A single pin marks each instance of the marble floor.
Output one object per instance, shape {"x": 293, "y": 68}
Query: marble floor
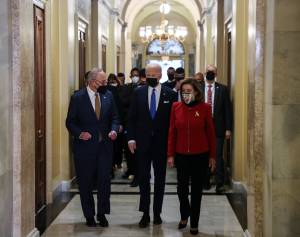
{"x": 217, "y": 219}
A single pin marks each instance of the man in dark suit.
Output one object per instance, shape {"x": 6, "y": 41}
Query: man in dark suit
{"x": 148, "y": 126}
{"x": 217, "y": 96}
{"x": 171, "y": 78}
{"x": 92, "y": 120}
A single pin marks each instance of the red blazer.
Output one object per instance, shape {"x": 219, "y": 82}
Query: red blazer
{"x": 191, "y": 130}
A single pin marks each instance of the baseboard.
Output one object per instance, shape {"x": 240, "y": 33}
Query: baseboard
{"x": 247, "y": 234}
{"x": 34, "y": 233}
{"x": 63, "y": 186}
{"x": 239, "y": 187}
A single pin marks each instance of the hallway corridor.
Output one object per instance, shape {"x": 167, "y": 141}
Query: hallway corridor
{"x": 98, "y": 88}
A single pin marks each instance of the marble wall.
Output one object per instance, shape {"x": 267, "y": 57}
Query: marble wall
{"x": 285, "y": 119}
{"x": 6, "y": 185}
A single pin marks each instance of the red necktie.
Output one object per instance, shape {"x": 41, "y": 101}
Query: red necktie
{"x": 209, "y": 95}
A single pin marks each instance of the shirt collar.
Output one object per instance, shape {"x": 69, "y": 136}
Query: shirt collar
{"x": 90, "y": 91}
{"x": 212, "y": 85}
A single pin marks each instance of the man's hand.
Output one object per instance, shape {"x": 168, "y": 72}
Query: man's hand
{"x": 112, "y": 135}
{"x": 228, "y": 134}
{"x": 171, "y": 161}
{"x": 85, "y": 136}
{"x": 132, "y": 146}
{"x": 212, "y": 164}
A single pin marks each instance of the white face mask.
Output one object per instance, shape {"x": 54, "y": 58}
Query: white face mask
{"x": 135, "y": 79}
{"x": 114, "y": 84}
{"x": 188, "y": 98}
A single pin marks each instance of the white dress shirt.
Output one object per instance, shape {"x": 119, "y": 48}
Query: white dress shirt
{"x": 92, "y": 96}
{"x": 213, "y": 94}
{"x": 157, "y": 94}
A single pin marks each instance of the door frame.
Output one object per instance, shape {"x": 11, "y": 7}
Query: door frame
{"x": 46, "y": 5}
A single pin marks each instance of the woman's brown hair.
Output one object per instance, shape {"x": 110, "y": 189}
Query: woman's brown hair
{"x": 199, "y": 97}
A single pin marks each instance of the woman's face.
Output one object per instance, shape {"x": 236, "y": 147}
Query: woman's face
{"x": 188, "y": 93}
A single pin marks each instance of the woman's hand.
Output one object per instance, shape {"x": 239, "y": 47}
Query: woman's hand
{"x": 212, "y": 164}
{"x": 171, "y": 161}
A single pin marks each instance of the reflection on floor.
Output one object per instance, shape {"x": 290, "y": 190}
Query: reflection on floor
{"x": 217, "y": 219}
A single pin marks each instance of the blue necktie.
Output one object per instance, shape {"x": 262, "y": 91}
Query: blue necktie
{"x": 153, "y": 104}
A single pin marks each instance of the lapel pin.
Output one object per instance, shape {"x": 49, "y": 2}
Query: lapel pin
{"x": 197, "y": 114}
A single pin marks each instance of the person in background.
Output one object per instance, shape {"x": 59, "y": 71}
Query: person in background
{"x": 92, "y": 121}
{"x": 121, "y": 78}
{"x": 217, "y": 96}
{"x": 199, "y": 77}
{"x": 142, "y": 81}
{"x": 171, "y": 82}
{"x": 135, "y": 76}
{"x": 191, "y": 144}
{"x": 148, "y": 124}
{"x": 125, "y": 93}
{"x": 113, "y": 84}
{"x": 179, "y": 77}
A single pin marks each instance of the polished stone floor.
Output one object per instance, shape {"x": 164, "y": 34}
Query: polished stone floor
{"x": 217, "y": 217}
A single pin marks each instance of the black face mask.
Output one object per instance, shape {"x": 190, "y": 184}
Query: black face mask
{"x": 152, "y": 81}
{"x": 102, "y": 89}
{"x": 171, "y": 77}
{"x": 210, "y": 75}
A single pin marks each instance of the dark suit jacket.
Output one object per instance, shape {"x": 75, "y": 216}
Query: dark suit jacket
{"x": 145, "y": 130}
{"x": 82, "y": 118}
{"x": 222, "y": 109}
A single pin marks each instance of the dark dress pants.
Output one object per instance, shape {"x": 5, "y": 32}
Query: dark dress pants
{"x": 91, "y": 168}
{"x": 219, "y": 164}
{"x": 130, "y": 158}
{"x": 194, "y": 168}
{"x": 118, "y": 150}
{"x": 145, "y": 159}
{"x": 219, "y": 161}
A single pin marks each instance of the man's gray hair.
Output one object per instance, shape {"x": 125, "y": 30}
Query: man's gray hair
{"x": 93, "y": 73}
{"x": 154, "y": 65}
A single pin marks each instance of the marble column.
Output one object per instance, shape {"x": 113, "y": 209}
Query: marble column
{"x": 22, "y": 118}
{"x": 6, "y": 168}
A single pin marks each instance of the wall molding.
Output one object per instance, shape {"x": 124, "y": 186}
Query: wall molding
{"x": 63, "y": 186}
{"x": 247, "y": 234}
{"x": 40, "y": 3}
{"x": 34, "y": 233}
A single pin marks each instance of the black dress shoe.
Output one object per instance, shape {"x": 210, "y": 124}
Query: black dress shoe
{"x": 90, "y": 222}
{"x": 134, "y": 183}
{"x": 102, "y": 220}
{"x": 125, "y": 176}
{"x": 157, "y": 220}
{"x": 144, "y": 222}
{"x": 220, "y": 189}
{"x": 194, "y": 231}
{"x": 182, "y": 225}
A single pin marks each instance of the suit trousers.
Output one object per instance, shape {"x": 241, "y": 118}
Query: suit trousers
{"x": 219, "y": 161}
{"x": 91, "y": 169}
{"x": 144, "y": 161}
{"x": 191, "y": 168}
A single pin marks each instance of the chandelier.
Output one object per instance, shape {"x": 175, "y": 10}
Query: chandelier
{"x": 164, "y": 31}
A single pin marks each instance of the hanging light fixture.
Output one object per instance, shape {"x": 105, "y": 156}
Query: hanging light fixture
{"x": 164, "y": 31}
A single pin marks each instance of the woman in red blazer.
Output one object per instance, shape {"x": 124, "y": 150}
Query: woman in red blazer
{"x": 192, "y": 144}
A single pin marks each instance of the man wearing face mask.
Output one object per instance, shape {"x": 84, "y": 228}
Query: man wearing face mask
{"x": 93, "y": 122}
{"x": 125, "y": 93}
{"x": 113, "y": 84}
{"x": 179, "y": 77}
{"x": 217, "y": 96}
{"x": 148, "y": 124}
{"x": 171, "y": 78}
